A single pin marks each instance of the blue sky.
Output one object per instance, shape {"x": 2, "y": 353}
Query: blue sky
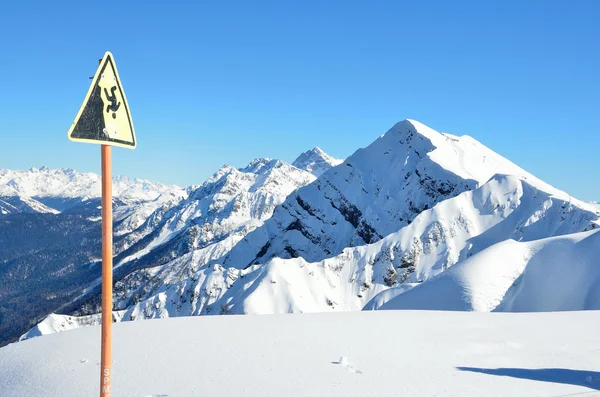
{"x": 225, "y": 82}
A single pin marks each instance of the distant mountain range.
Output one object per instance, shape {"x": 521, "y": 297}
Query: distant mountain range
{"x": 49, "y": 228}
{"x": 418, "y": 219}
{"x": 49, "y": 236}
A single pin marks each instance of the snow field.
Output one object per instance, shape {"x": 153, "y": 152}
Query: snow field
{"x": 379, "y": 354}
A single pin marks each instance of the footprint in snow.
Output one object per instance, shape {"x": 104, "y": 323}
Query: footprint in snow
{"x": 344, "y": 363}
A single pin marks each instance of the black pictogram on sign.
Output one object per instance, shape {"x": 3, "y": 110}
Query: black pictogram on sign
{"x": 114, "y": 106}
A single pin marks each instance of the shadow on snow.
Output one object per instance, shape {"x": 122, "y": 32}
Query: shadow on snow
{"x": 590, "y": 379}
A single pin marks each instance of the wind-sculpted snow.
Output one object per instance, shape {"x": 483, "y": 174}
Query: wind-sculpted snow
{"x": 375, "y": 192}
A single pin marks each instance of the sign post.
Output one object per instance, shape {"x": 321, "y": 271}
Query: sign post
{"x": 105, "y": 119}
{"x": 107, "y": 271}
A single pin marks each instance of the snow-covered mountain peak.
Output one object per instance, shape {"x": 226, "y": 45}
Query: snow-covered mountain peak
{"x": 261, "y": 165}
{"x": 260, "y": 174}
{"x": 41, "y": 169}
{"x": 316, "y": 161}
{"x": 225, "y": 169}
{"x": 464, "y": 156}
{"x": 376, "y": 191}
{"x": 408, "y": 126}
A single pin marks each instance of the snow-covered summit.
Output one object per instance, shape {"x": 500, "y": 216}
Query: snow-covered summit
{"x": 374, "y": 192}
{"x": 316, "y": 161}
{"x": 463, "y": 155}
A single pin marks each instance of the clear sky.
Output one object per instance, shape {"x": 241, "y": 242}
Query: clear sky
{"x": 211, "y": 83}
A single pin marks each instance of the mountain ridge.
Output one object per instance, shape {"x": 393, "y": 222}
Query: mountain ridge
{"x": 375, "y": 192}
{"x": 505, "y": 208}
{"x": 386, "y": 221}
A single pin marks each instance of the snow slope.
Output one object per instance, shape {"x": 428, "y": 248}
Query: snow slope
{"x": 134, "y": 214}
{"x": 59, "y": 323}
{"x": 375, "y": 192}
{"x": 383, "y": 354}
{"x": 316, "y": 161}
{"x": 15, "y": 205}
{"x": 563, "y": 273}
{"x": 552, "y": 274}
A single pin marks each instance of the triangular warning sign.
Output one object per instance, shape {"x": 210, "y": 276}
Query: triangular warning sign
{"x": 104, "y": 117}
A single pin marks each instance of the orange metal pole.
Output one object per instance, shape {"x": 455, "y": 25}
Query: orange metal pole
{"x": 107, "y": 271}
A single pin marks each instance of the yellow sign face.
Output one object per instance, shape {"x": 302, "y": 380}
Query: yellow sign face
{"x": 104, "y": 117}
